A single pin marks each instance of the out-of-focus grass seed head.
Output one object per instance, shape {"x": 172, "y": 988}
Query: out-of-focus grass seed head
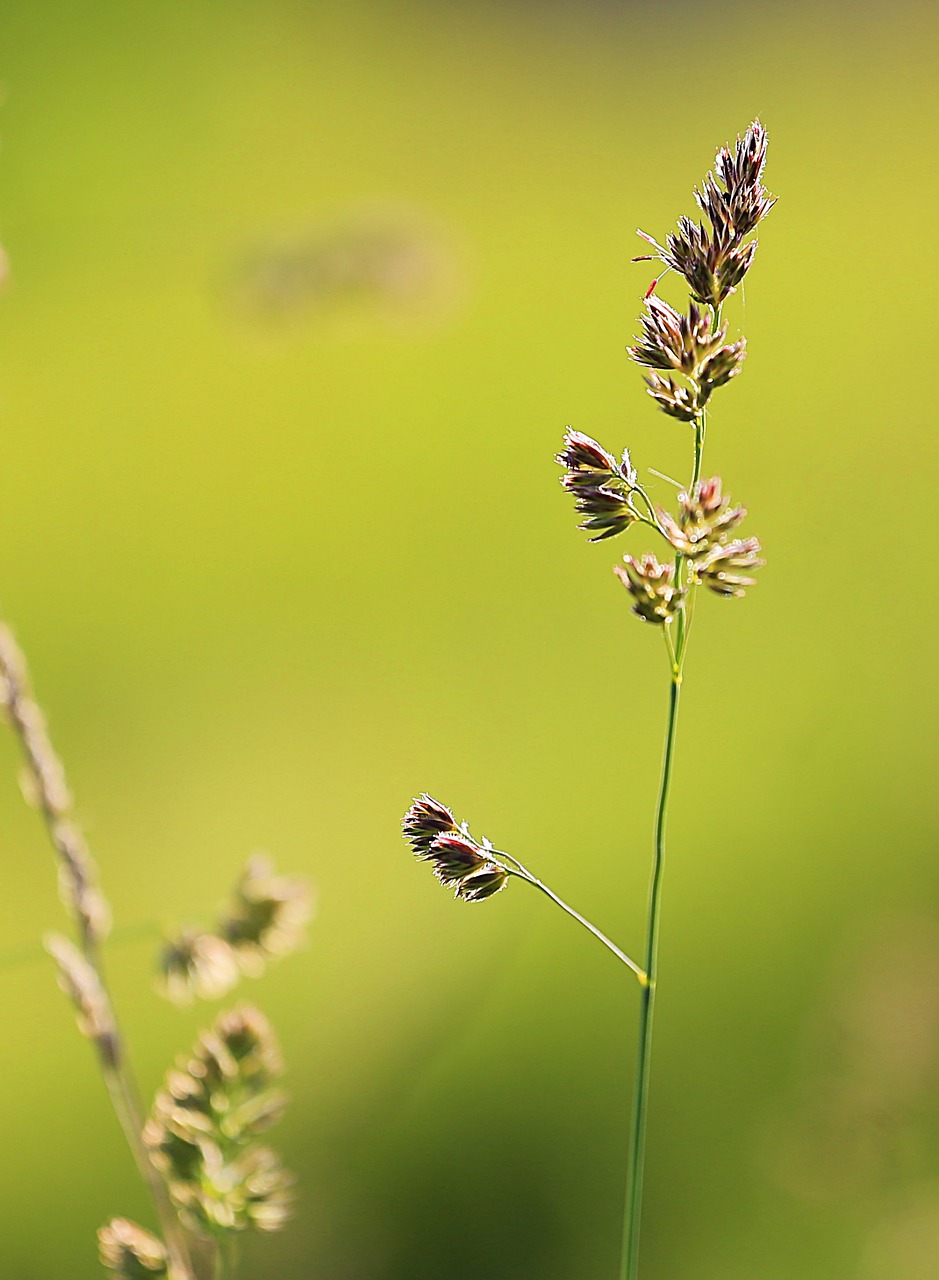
{"x": 130, "y": 1253}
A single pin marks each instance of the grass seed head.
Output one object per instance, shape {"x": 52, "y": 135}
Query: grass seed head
{"x": 656, "y": 599}
{"x": 424, "y": 822}
{"x": 268, "y": 916}
{"x": 455, "y": 857}
{"x": 607, "y": 512}
{"x": 203, "y": 1127}
{"x": 672, "y": 398}
{"x": 704, "y": 521}
{"x": 130, "y": 1253}
{"x": 671, "y": 340}
{"x": 712, "y": 263}
{"x": 458, "y": 860}
{"x": 714, "y": 259}
{"x": 482, "y": 884}
{"x": 582, "y": 453}
{"x": 599, "y": 484}
{"x": 196, "y": 965}
{"x": 734, "y": 195}
{"x": 723, "y": 365}
{"x": 725, "y": 569}
{"x": 80, "y": 982}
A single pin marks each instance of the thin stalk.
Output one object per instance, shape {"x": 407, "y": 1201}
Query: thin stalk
{"x": 700, "y": 431}
{"x": 683, "y": 623}
{"x": 229, "y": 1247}
{"x": 124, "y": 1093}
{"x": 653, "y": 516}
{"x": 673, "y": 661}
{"x": 524, "y": 874}
{"x": 637, "y": 1138}
{"x": 634, "y": 1174}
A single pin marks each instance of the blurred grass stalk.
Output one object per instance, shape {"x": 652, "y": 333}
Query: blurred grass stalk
{"x": 81, "y": 969}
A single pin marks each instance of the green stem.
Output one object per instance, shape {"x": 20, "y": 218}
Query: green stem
{"x": 684, "y": 617}
{"x": 630, "y": 1262}
{"x": 121, "y": 1085}
{"x": 700, "y": 430}
{"x": 637, "y": 1141}
{"x": 650, "y": 506}
{"x": 225, "y": 1257}
{"x": 524, "y": 874}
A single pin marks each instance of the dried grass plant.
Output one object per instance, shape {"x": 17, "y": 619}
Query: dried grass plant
{"x": 688, "y": 355}
{"x": 198, "y": 1150}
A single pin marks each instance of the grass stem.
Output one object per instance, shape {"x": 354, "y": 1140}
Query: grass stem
{"x": 637, "y": 1137}
{"x": 637, "y": 1142}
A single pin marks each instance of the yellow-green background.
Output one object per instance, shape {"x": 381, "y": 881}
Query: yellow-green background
{"x": 275, "y": 576}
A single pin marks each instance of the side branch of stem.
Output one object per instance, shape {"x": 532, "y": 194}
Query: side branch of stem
{"x": 524, "y": 874}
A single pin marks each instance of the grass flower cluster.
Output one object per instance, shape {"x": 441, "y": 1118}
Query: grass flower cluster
{"x": 688, "y": 354}
{"x": 203, "y": 1129}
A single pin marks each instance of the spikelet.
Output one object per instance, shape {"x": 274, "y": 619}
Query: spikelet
{"x": 268, "y": 916}
{"x": 265, "y": 921}
{"x": 720, "y": 570}
{"x": 80, "y": 982}
{"x": 45, "y": 787}
{"x": 674, "y": 341}
{"x": 458, "y": 860}
{"x": 704, "y": 520}
{"x": 426, "y": 819}
{"x": 714, "y": 259}
{"x": 196, "y": 966}
{"x": 655, "y": 596}
{"x": 690, "y": 345}
{"x": 130, "y": 1253}
{"x": 599, "y": 484}
{"x": 202, "y": 1131}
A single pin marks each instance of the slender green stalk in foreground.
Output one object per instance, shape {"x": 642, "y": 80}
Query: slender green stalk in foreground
{"x": 689, "y": 357}
{"x": 635, "y": 1167}
{"x": 524, "y": 874}
{"x": 637, "y": 1137}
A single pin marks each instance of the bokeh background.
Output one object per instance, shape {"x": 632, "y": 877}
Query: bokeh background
{"x": 301, "y": 298}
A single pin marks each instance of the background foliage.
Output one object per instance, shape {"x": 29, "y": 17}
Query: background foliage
{"x": 283, "y": 537}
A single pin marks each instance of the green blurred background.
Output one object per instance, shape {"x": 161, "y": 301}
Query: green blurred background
{"x": 301, "y": 298}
